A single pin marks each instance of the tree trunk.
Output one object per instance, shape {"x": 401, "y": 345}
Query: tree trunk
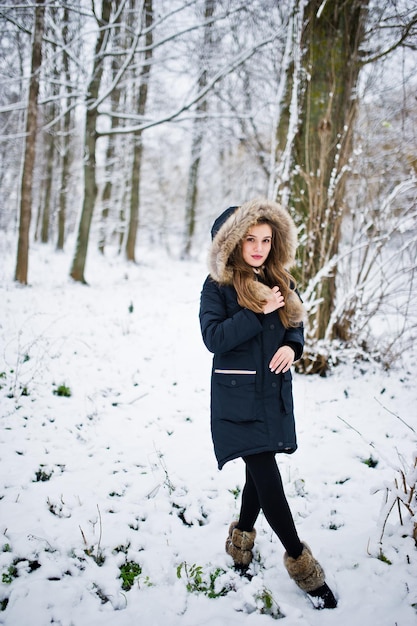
{"x": 49, "y": 170}
{"x": 197, "y": 138}
{"x": 66, "y": 141}
{"x": 22, "y": 263}
{"x": 65, "y": 176}
{"x": 137, "y": 140}
{"x": 329, "y": 69}
{"x": 90, "y": 140}
{"x": 192, "y": 186}
{"x": 107, "y": 195}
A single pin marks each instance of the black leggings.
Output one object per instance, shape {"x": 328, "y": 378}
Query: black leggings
{"x": 264, "y": 490}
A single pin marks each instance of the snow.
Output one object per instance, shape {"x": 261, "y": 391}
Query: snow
{"x": 123, "y": 470}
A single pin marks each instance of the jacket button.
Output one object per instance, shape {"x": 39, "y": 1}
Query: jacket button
{"x": 274, "y": 384}
{"x": 272, "y": 326}
{"x": 233, "y": 382}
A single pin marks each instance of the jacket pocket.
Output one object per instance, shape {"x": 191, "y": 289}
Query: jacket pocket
{"x": 233, "y": 395}
{"x": 286, "y": 392}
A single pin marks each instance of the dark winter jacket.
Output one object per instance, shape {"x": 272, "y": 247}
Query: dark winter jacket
{"x": 251, "y": 407}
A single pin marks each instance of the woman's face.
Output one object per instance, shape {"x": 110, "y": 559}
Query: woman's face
{"x": 256, "y": 245}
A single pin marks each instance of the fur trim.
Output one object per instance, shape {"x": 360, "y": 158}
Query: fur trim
{"x": 239, "y": 545}
{"x": 307, "y": 573}
{"x": 237, "y": 225}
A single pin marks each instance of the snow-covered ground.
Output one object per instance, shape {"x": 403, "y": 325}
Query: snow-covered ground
{"x": 122, "y": 471}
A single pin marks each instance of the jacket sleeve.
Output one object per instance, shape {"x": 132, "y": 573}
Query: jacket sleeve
{"x": 220, "y": 332}
{"x": 294, "y": 337}
{"x": 297, "y": 347}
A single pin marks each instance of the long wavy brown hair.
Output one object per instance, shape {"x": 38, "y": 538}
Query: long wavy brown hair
{"x": 250, "y": 285}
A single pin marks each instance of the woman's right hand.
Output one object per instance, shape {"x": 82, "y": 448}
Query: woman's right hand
{"x": 276, "y": 301}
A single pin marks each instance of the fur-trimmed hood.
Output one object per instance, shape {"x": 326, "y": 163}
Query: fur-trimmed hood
{"x": 233, "y": 224}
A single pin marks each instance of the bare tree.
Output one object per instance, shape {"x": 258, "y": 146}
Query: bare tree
{"x": 21, "y": 273}
{"x": 199, "y": 125}
{"x": 331, "y": 38}
{"x": 51, "y": 165}
{"x": 90, "y": 134}
{"x": 315, "y": 142}
{"x": 144, "y": 76}
{"x": 108, "y": 196}
{"x": 64, "y": 132}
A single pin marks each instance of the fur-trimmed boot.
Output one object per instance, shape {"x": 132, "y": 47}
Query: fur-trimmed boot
{"x": 239, "y": 545}
{"x": 308, "y": 574}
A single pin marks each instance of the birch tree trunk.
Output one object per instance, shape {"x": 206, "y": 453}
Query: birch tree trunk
{"x": 22, "y": 262}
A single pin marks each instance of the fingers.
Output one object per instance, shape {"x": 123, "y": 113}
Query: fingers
{"x": 282, "y": 360}
{"x": 277, "y": 299}
{"x": 275, "y": 302}
{"x": 280, "y": 367}
{"x": 276, "y": 292}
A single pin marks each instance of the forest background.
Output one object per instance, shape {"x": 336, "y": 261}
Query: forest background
{"x": 127, "y": 126}
{"x": 133, "y": 123}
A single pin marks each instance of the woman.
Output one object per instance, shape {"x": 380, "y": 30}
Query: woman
{"x": 251, "y": 319}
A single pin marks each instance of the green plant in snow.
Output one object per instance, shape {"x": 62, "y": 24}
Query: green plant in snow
{"x": 42, "y": 476}
{"x": 63, "y": 390}
{"x": 342, "y": 481}
{"x": 235, "y": 492}
{"x": 266, "y": 604}
{"x": 383, "y": 558}
{"x": 371, "y": 462}
{"x": 129, "y": 571}
{"x": 199, "y": 582}
{"x": 9, "y": 575}
{"x": 96, "y": 554}
{"x": 12, "y": 572}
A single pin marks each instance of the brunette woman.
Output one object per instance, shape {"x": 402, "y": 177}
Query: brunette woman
{"x": 251, "y": 320}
